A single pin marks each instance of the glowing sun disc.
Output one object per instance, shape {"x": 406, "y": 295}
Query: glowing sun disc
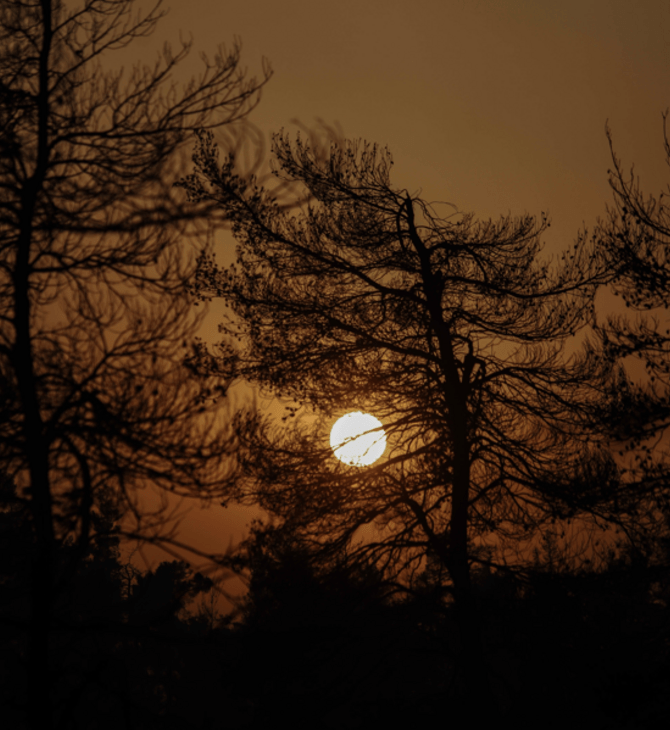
{"x": 358, "y": 439}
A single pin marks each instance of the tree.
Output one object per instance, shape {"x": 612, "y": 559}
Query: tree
{"x": 286, "y": 586}
{"x": 457, "y": 334}
{"x": 635, "y": 236}
{"x": 322, "y": 644}
{"x": 125, "y": 639}
{"x": 94, "y": 322}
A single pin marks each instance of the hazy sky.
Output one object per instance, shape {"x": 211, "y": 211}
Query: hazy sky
{"x": 497, "y": 106}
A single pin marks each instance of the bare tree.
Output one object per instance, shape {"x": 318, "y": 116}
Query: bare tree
{"x": 98, "y": 406}
{"x": 454, "y": 333}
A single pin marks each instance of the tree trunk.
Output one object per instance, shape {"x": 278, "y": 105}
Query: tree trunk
{"x": 39, "y": 672}
{"x": 36, "y": 448}
{"x": 472, "y": 685}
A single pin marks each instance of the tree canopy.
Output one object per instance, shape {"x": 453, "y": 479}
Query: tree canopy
{"x": 457, "y": 334}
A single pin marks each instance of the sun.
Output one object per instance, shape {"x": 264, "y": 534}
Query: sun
{"x": 358, "y": 439}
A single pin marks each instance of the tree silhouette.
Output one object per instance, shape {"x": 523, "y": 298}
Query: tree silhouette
{"x": 95, "y": 325}
{"x": 125, "y": 640}
{"x": 635, "y": 234}
{"x": 477, "y": 353}
{"x": 288, "y": 585}
{"x": 326, "y": 643}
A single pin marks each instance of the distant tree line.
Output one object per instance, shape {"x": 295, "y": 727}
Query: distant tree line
{"x": 331, "y": 644}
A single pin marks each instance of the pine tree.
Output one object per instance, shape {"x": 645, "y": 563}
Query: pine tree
{"x": 455, "y": 333}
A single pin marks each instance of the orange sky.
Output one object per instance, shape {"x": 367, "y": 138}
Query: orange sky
{"x": 497, "y": 107}
{"x": 494, "y": 106}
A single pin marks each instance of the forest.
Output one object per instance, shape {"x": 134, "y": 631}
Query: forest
{"x": 507, "y": 558}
